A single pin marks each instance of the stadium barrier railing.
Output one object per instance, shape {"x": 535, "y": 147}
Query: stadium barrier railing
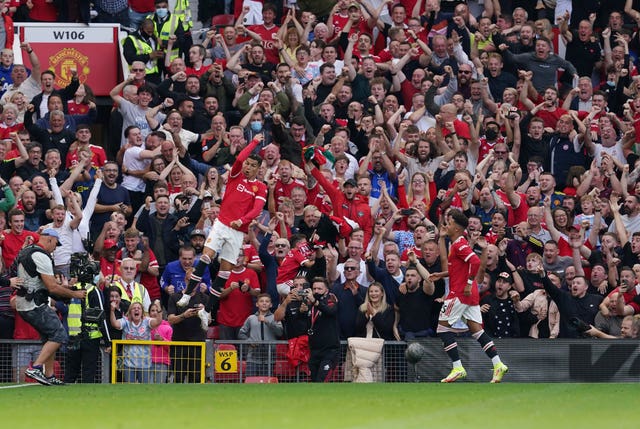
{"x": 248, "y": 361}
{"x": 532, "y": 361}
{"x": 180, "y": 361}
{"x": 16, "y": 355}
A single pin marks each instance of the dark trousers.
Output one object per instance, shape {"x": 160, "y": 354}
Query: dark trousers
{"x": 7, "y": 324}
{"x": 82, "y": 361}
{"x": 321, "y": 362}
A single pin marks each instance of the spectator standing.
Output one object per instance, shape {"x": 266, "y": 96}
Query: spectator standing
{"x": 324, "y": 330}
{"x": 137, "y": 358}
{"x": 189, "y": 324}
{"x": 236, "y": 299}
{"x": 112, "y": 197}
{"x": 260, "y": 326}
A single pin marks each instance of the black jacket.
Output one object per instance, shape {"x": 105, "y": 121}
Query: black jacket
{"x": 169, "y": 235}
{"x": 65, "y": 93}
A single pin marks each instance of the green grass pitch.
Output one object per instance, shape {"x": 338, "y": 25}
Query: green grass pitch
{"x": 309, "y": 406}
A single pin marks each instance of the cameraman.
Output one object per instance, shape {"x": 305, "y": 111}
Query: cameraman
{"x": 86, "y": 323}
{"x": 35, "y": 266}
{"x": 293, "y": 311}
{"x": 324, "y": 331}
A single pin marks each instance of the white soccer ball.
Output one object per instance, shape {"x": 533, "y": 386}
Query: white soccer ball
{"x": 414, "y": 353}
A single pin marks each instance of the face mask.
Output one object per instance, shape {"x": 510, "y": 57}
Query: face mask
{"x": 96, "y": 279}
{"x": 256, "y": 126}
{"x": 162, "y": 12}
{"x": 611, "y": 83}
{"x": 491, "y": 134}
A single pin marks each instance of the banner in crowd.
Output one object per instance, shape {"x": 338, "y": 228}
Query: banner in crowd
{"x": 91, "y": 50}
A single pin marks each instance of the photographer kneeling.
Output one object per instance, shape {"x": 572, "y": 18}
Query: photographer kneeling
{"x": 35, "y": 266}
{"x": 86, "y": 322}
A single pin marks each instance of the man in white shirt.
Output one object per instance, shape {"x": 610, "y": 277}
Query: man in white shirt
{"x": 135, "y": 161}
{"x": 64, "y": 223}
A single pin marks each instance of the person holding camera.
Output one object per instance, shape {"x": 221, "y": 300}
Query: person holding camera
{"x": 324, "y": 330}
{"x": 86, "y": 323}
{"x": 35, "y": 266}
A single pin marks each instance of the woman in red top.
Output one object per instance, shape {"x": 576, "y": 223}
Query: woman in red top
{"x": 420, "y": 190}
{"x": 79, "y": 105}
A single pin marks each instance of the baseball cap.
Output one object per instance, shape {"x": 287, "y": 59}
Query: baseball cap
{"x": 109, "y": 244}
{"x": 350, "y": 182}
{"x": 505, "y": 276}
{"x": 50, "y": 232}
{"x": 197, "y": 232}
{"x": 353, "y": 4}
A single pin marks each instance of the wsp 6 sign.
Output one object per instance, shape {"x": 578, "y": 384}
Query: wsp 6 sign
{"x": 226, "y": 361}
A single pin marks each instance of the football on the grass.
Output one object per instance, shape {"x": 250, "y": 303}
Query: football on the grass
{"x": 414, "y": 352}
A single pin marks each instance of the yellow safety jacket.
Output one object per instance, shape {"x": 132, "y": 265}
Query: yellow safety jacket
{"x": 137, "y": 295}
{"x": 167, "y": 29}
{"x": 74, "y": 317}
{"x": 183, "y": 11}
{"x": 142, "y": 48}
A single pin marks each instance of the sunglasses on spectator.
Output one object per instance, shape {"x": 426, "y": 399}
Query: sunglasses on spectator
{"x": 137, "y": 70}
{"x": 500, "y": 152}
{"x": 464, "y": 71}
{"x": 281, "y": 245}
{"x": 350, "y": 268}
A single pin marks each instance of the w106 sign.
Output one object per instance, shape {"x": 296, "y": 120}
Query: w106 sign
{"x": 91, "y": 50}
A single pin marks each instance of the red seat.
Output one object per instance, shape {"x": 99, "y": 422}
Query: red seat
{"x": 261, "y": 380}
{"x": 213, "y": 333}
{"x": 222, "y": 20}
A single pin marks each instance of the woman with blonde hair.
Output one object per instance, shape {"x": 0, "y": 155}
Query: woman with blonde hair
{"x": 375, "y": 318}
{"x": 136, "y": 358}
{"x": 419, "y": 193}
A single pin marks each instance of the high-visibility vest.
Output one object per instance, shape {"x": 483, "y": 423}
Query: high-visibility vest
{"x": 74, "y": 317}
{"x": 137, "y": 293}
{"x": 168, "y": 28}
{"x": 183, "y": 11}
{"x": 142, "y": 48}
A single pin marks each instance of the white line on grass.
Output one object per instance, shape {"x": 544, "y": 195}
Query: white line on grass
{"x": 13, "y": 386}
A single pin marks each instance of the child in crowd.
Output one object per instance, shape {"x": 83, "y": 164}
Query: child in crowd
{"x": 260, "y": 327}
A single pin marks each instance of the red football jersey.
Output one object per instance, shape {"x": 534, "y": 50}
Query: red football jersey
{"x": 463, "y": 263}
{"x": 292, "y": 262}
{"x": 243, "y": 198}
{"x": 283, "y": 190}
{"x": 98, "y": 157}
{"x": 268, "y": 35}
{"x": 238, "y": 305}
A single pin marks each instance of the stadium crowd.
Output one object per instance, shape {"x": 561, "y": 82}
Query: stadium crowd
{"x": 372, "y": 120}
